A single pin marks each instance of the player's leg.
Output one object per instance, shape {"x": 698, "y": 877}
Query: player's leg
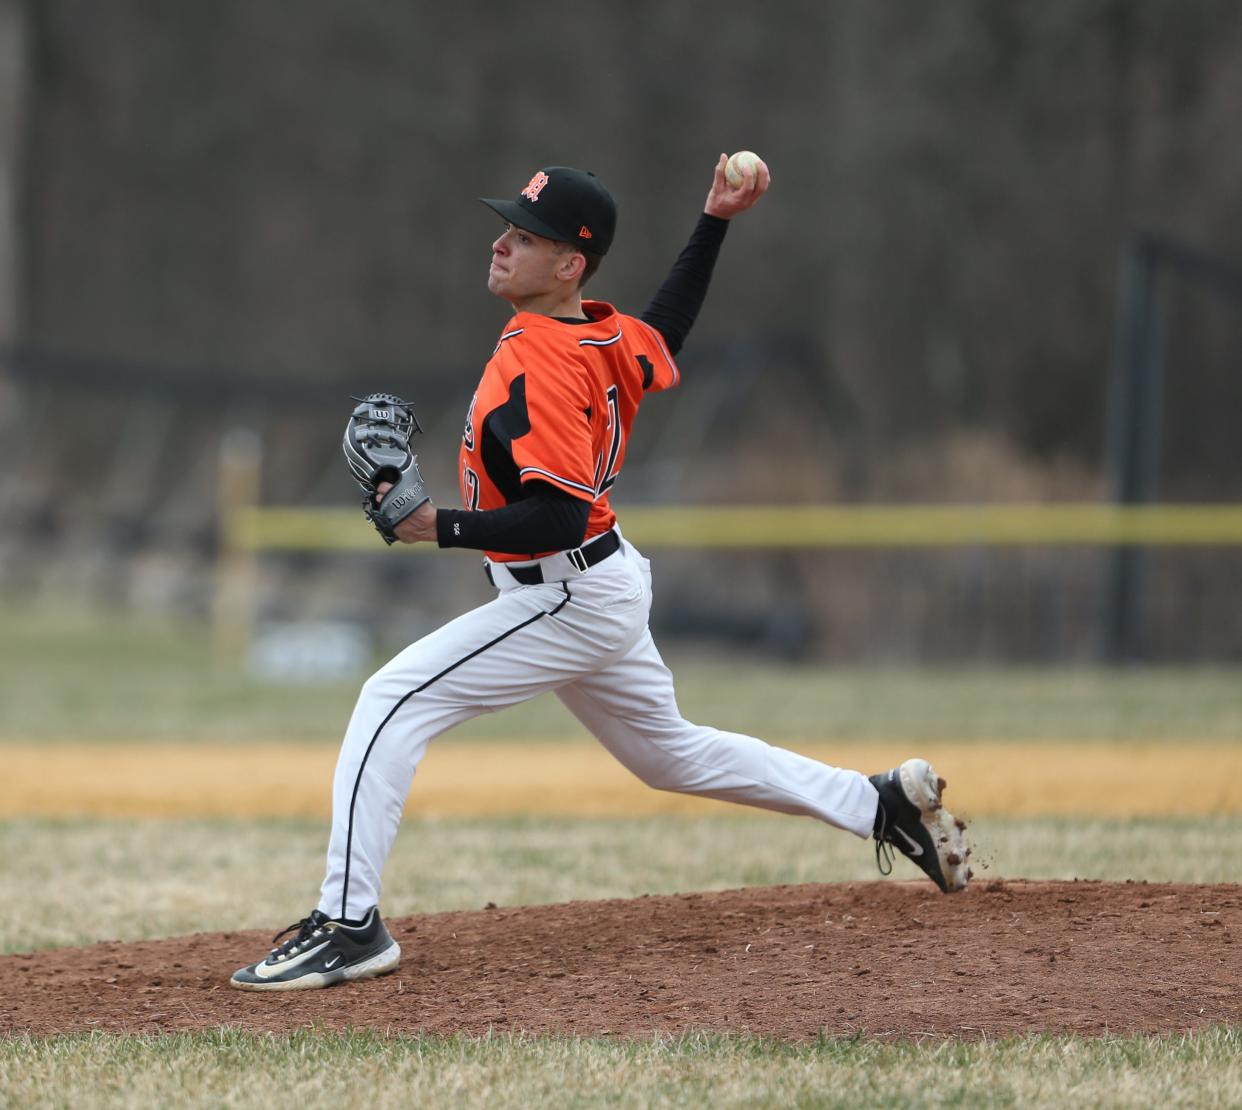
{"x": 528, "y": 640}
{"x": 494, "y": 656}
{"x": 523, "y": 643}
{"x": 631, "y": 708}
{"x": 477, "y": 663}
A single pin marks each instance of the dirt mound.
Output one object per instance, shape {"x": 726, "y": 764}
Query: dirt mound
{"x": 881, "y": 958}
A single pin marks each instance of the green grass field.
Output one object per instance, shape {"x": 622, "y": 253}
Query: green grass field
{"x": 235, "y": 1069}
{"x": 128, "y": 880}
{"x": 70, "y": 676}
{"x": 73, "y": 881}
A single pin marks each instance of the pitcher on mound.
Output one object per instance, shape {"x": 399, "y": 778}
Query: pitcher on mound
{"x": 544, "y": 441}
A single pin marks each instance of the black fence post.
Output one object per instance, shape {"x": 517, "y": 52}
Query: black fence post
{"x": 1135, "y": 404}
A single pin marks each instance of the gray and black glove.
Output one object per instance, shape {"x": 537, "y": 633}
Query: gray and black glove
{"x": 377, "y": 449}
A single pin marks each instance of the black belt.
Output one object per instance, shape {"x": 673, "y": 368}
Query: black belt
{"x": 582, "y": 557}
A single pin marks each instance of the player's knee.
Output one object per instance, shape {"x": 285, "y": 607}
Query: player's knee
{"x": 379, "y": 685}
{"x": 372, "y": 685}
{"x": 661, "y": 775}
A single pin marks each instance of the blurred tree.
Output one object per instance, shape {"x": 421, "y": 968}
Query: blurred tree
{"x": 291, "y": 191}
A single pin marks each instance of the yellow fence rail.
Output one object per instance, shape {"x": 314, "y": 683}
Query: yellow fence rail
{"x": 756, "y": 527}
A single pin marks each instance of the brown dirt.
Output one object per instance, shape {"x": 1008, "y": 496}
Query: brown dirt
{"x": 881, "y": 958}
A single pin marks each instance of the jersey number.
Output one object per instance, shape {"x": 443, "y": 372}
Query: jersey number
{"x": 470, "y": 480}
{"x": 606, "y": 468}
{"x": 467, "y": 434}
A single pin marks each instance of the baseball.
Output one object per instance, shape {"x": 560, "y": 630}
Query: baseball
{"x": 743, "y": 159}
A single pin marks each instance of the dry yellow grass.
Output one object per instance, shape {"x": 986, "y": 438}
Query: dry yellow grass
{"x": 1149, "y": 779}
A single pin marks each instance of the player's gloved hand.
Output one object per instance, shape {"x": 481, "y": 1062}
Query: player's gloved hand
{"x": 377, "y": 449}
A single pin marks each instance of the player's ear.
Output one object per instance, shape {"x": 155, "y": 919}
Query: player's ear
{"x": 572, "y": 265}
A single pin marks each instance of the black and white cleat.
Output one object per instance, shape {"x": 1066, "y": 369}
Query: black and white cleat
{"x": 912, "y": 819}
{"x": 323, "y": 952}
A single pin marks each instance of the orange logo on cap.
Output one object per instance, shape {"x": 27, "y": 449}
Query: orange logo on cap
{"x": 584, "y": 232}
{"x": 535, "y": 187}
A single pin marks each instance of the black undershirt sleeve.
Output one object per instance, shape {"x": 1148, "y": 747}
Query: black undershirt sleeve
{"x": 548, "y": 519}
{"x": 676, "y": 304}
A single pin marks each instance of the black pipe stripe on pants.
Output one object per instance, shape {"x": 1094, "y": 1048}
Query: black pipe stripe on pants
{"x": 353, "y": 800}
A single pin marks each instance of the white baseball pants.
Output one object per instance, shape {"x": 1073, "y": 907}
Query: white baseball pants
{"x": 587, "y": 639}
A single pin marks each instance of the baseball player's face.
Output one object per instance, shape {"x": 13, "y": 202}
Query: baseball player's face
{"x": 526, "y": 266}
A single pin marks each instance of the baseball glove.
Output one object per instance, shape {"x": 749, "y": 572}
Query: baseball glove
{"x": 377, "y": 449}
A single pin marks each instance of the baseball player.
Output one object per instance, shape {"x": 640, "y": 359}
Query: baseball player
{"x": 543, "y": 444}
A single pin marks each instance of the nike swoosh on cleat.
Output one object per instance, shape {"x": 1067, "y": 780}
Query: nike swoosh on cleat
{"x": 332, "y": 963}
{"x": 916, "y": 849}
{"x": 265, "y": 970}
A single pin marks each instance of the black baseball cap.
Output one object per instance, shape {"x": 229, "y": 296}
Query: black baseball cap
{"x": 568, "y": 205}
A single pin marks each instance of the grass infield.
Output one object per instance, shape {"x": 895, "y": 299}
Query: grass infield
{"x": 309, "y": 1068}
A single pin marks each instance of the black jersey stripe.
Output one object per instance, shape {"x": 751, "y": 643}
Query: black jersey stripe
{"x": 353, "y": 800}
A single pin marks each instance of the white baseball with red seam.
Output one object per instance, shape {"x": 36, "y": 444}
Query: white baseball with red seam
{"x": 743, "y": 159}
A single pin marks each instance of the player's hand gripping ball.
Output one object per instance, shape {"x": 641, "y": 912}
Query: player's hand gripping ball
{"x": 733, "y": 190}
{"x": 742, "y": 160}
{"x": 377, "y": 449}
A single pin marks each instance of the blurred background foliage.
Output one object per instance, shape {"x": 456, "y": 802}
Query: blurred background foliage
{"x": 235, "y": 214}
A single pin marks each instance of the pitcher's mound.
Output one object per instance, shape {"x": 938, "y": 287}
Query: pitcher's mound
{"x": 885, "y": 958}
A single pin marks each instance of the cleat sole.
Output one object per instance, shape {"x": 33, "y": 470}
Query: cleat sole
{"x": 379, "y": 964}
{"x": 925, "y": 788}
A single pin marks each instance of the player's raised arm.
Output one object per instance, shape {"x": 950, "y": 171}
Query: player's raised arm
{"x": 737, "y": 183}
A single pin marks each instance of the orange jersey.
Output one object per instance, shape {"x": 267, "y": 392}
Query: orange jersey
{"x": 555, "y": 405}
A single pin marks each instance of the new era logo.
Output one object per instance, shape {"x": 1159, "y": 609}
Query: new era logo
{"x": 584, "y": 232}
